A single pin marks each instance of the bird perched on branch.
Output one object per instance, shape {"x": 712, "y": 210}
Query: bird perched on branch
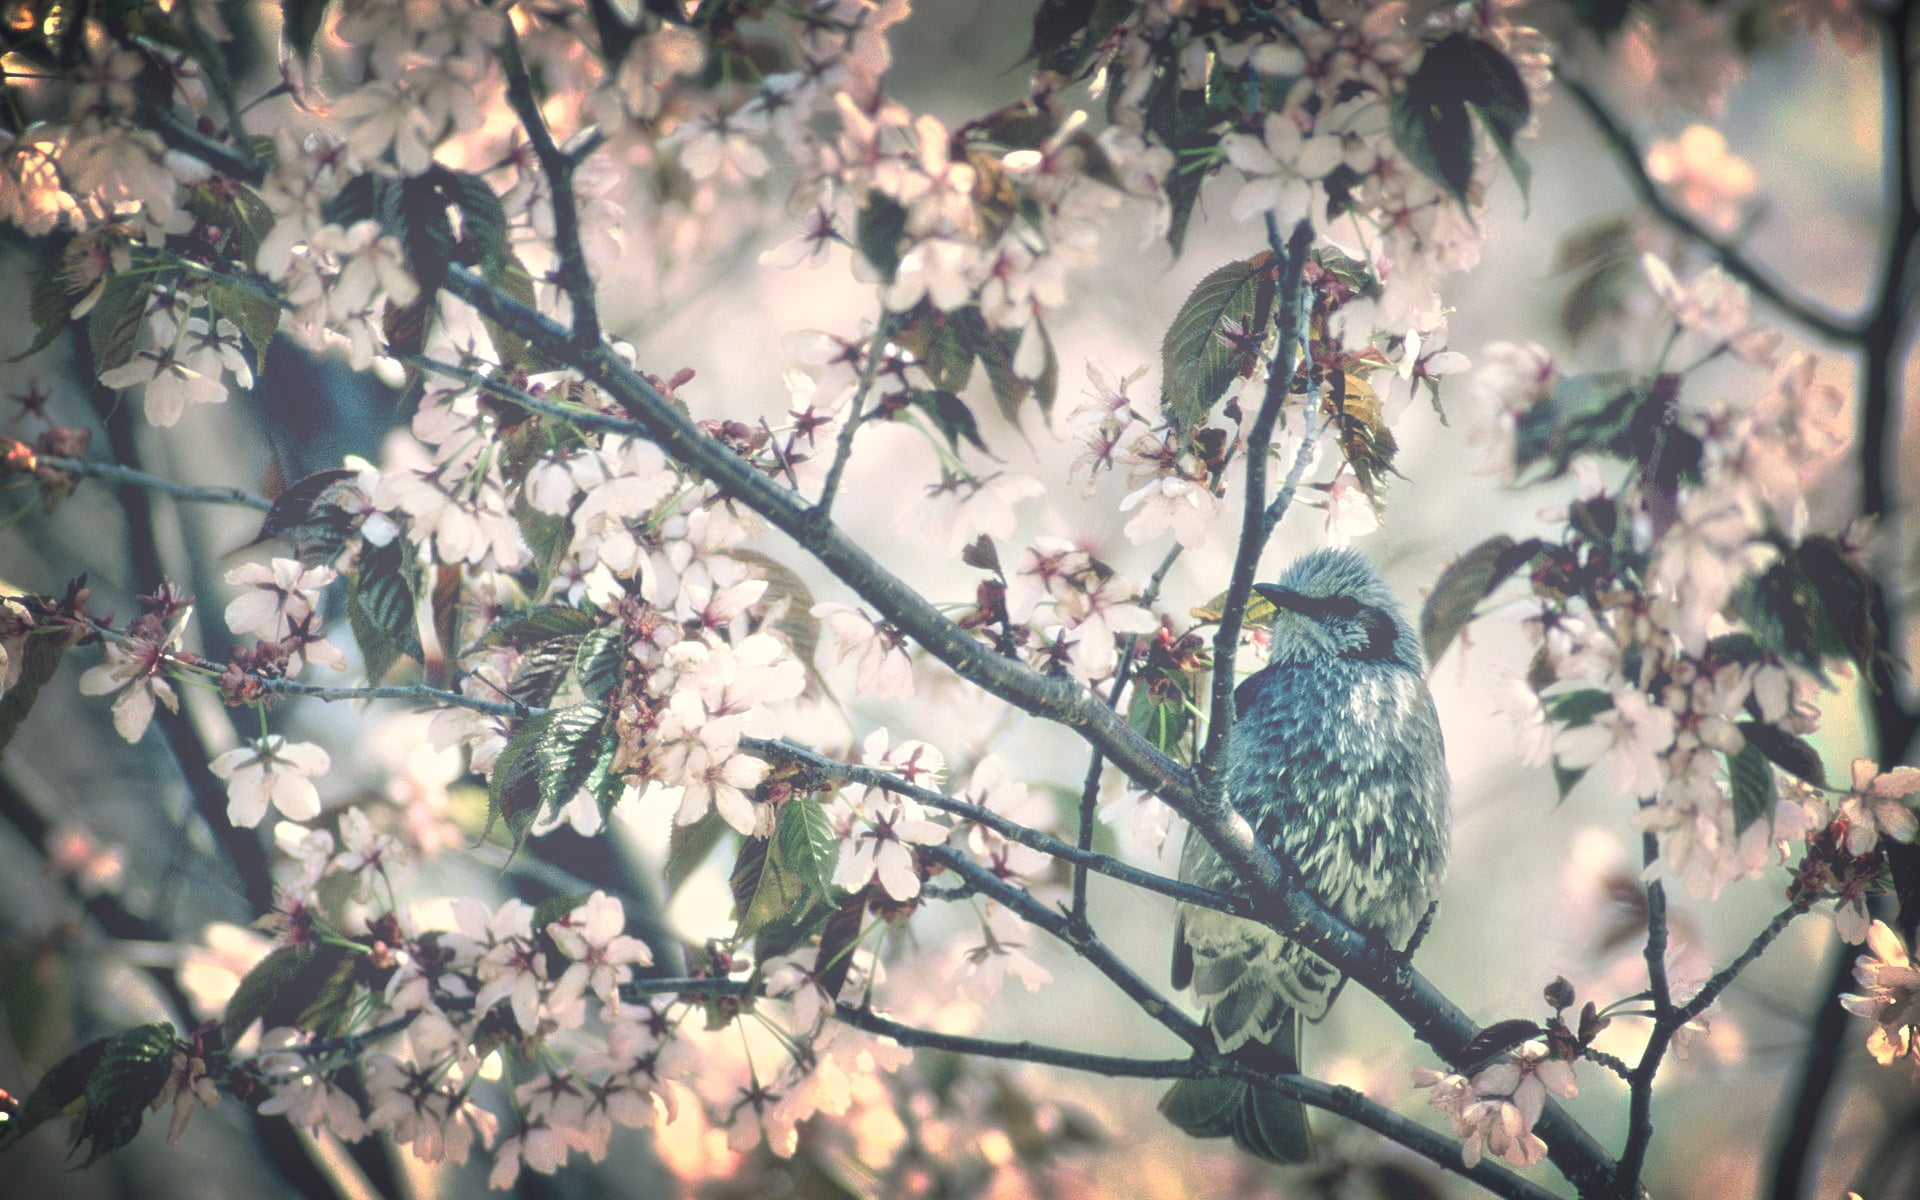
{"x": 1336, "y": 761}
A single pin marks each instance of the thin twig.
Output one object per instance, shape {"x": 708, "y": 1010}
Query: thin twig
{"x": 1096, "y": 761}
{"x": 786, "y": 751}
{"x": 1711, "y": 991}
{"x": 1253, "y": 525}
{"x": 1288, "y": 907}
{"x": 571, "y": 259}
{"x": 1342, "y": 1101}
{"x": 1730, "y": 256}
{"x": 115, "y": 473}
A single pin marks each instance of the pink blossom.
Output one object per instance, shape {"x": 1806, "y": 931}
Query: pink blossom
{"x": 271, "y": 771}
{"x": 594, "y": 936}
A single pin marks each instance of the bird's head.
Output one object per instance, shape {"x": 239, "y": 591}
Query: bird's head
{"x": 1334, "y": 604}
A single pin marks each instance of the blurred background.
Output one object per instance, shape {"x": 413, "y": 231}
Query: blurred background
{"x": 1534, "y": 884}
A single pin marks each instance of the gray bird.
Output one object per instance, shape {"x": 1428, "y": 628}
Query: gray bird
{"x": 1336, "y": 761}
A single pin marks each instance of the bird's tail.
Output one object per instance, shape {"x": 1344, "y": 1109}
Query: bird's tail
{"x": 1261, "y": 1121}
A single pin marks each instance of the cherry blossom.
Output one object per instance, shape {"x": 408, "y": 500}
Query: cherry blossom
{"x": 1889, "y": 996}
{"x": 271, "y": 771}
{"x": 604, "y": 956}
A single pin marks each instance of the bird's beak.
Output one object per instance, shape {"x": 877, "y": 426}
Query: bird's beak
{"x": 1280, "y": 597}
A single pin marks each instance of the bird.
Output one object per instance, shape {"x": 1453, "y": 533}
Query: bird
{"x": 1336, "y": 761}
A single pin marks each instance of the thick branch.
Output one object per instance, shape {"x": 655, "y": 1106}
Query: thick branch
{"x": 1286, "y": 906}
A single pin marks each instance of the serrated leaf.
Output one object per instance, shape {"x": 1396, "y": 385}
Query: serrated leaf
{"x": 765, "y": 887}
{"x": 1366, "y": 441}
{"x": 294, "y": 505}
{"x": 935, "y": 339}
{"x": 877, "y": 233}
{"x": 1163, "y": 724}
{"x": 260, "y": 987}
{"x": 483, "y": 222}
{"x": 1790, "y": 752}
{"x": 513, "y": 788}
{"x": 806, "y": 843}
{"x": 133, "y": 1067}
{"x": 58, "y": 1091}
{"x": 995, "y": 349}
{"x": 49, "y": 304}
{"x": 1750, "y": 779}
{"x": 543, "y": 669}
{"x": 329, "y": 1006}
{"x": 541, "y": 624}
{"x": 1493, "y": 1041}
{"x": 39, "y": 657}
{"x": 113, "y": 325}
{"x": 557, "y": 908}
{"x": 600, "y": 661}
{"x": 1430, "y": 118}
{"x": 380, "y": 608}
{"x": 573, "y": 744}
{"x": 1215, "y": 338}
{"x": 1467, "y": 581}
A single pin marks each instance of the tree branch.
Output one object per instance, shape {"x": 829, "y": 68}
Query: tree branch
{"x": 1254, "y": 529}
{"x": 1729, "y": 255}
{"x": 1343, "y": 1101}
{"x": 570, "y": 256}
{"x": 115, "y": 473}
{"x": 1285, "y": 906}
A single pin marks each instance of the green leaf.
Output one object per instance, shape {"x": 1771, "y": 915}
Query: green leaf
{"x": 1585, "y": 414}
{"x": 1467, "y": 581}
{"x": 133, "y": 1067}
{"x": 949, "y": 414}
{"x": 600, "y": 661}
{"x": 260, "y": 987}
{"x": 300, "y": 25}
{"x": 39, "y": 658}
{"x": 1435, "y": 134}
{"x": 1163, "y": 722}
{"x": 1579, "y": 708}
{"x": 543, "y": 669}
{"x": 114, "y": 324}
{"x": 380, "y": 608}
{"x": 1188, "y": 123}
{"x": 995, "y": 349}
{"x": 1565, "y": 779}
{"x": 256, "y": 317}
{"x": 1790, "y": 752}
{"x": 573, "y": 744}
{"x": 513, "y": 789}
{"x": 1430, "y": 118}
{"x": 59, "y": 1090}
{"x": 806, "y": 843}
{"x": 1754, "y": 791}
{"x": 1197, "y": 358}
{"x": 483, "y": 222}
{"x": 539, "y": 625}
{"x": 766, "y": 888}
{"x": 294, "y": 505}
{"x": 49, "y": 304}
{"x": 877, "y": 232}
